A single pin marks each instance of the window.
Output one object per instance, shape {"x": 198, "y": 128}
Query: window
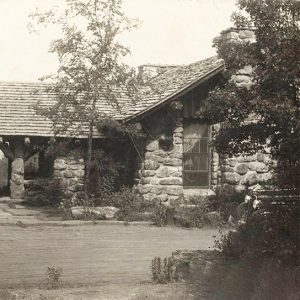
{"x": 196, "y": 166}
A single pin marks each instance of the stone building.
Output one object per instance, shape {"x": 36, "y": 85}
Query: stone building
{"x": 175, "y": 159}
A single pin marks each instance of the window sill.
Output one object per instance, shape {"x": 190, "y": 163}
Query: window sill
{"x": 197, "y": 192}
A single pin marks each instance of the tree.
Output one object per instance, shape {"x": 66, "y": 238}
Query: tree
{"x": 90, "y": 66}
{"x": 274, "y": 97}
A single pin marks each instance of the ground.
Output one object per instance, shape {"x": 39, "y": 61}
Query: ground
{"x": 99, "y": 260}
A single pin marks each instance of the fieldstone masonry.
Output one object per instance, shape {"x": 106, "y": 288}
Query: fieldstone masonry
{"x": 245, "y": 171}
{"x": 17, "y": 179}
{"x": 160, "y": 176}
{"x": 70, "y": 172}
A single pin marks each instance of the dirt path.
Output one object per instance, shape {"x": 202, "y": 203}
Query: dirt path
{"x": 90, "y": 254}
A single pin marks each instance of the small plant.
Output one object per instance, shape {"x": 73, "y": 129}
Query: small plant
{"x": 159, "y": 215}
{"x": 54, "y": 277}
{"x": 163, "y": 270}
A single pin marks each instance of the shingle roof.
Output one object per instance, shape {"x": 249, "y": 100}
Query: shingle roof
{"x": 171, "y": 83}
{"x": 17, "y": 100}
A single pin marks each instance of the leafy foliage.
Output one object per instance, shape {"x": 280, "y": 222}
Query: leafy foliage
{"x": 90, "y": 66}
{"x": 162, "y": 270}
{"x": 43, "y": 192}
{"x": 261, "y": 253}
{"x": 54, "y": 277}
{"x": 273, "y": 99}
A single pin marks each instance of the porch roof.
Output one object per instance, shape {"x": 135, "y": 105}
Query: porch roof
{"x": 18, "y": 116}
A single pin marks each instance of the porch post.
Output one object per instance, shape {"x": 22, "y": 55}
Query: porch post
{"x": 17, "y": 170}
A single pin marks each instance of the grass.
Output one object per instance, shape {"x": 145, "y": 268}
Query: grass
{"x": 146, "y": 291}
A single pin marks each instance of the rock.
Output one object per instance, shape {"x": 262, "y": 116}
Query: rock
{"x": 171, "y": 181}
{"x": 108, "y": 212}
{"x": 60, "y": 164}
{"x": 216, "y": 127}
{"x": 231, "y": 178}
{"x": 161, "y": 198}
{"x": 145, "y": 180}
{"x": 241, "y": 168}
{"x": 214, "y": 218}
{"x": 226, "y": 168}
{"x": 148, "y": 173}
{"x": 178, "y": 140}
{"x": 240, "y": 188}
{"x": 259, "y": 167}
{"x": 160, "y": 153}
{"x": 173, "y": 162}
{"x": 178, "y": 134}
{"x": 16, "y": 190}
{"x": 72, "y": 181}
{"x": 151, "y": 156}
{"x": 151, "y": 165}
{"x": 152, "y": 146}
{"x": 260, "y": 157}
{"x": 17, "y": 166}
{"x": 68, "y": 174}
{"x": 105, "y": 212}
{"x": 78, "y": 173}
{"x": 241, "y": 78}
{"x": 162, "y": 172}
{"x": 157, "y": 190}
{"x": 174, "y": 190}
{"x": 250, "y": 178}
{"x": 264, "y": 178}
{"x": 144, "y": 189}
{"x": 17, "y": 179}
{"x": 176, "y": 155}
{"x": 232, "y": 162}
{"x": 76, "y": 188}
{"x": 178, "y": 129}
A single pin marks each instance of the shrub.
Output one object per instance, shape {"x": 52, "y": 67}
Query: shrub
{"x": 129, "y": 203}
{"x": 261, "y": 257}
{"x": 43, "y": 192}
{"x": 54, "y": 277}
{"x": 159, "y": 216}
{"x": 163, "y": 270}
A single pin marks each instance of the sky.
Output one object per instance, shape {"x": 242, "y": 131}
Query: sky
{"x": 171, "y": 32}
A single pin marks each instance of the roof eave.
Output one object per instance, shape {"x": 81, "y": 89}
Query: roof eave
{"x": 177, "y": 94}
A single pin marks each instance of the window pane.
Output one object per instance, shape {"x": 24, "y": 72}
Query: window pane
{"x": 191, "y": 161}
{"x": 191, "y": 179}
{"x": 204, "y": 146}
{"x": 191, "y": 145}
{"x": 195, "y": 179}
{"x": 203, "y": 130}
{"x": 187, "y": 162}
{"x": 190, "y": 130}
{"x": 203, "y": 162}
{"x": 203, "y": 179}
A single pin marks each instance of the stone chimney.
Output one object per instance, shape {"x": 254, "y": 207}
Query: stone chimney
{"x": 148, "y": 71}
{"x": 243, "y": 77}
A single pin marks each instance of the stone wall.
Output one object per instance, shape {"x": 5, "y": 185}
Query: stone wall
{"x": 245, "y": 171}
{"x": 160, "y": 173}
{"x": 70, "y": 172}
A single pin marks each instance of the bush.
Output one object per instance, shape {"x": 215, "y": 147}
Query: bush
{"x": 130, "y": 205}
{"x": 43, "y": 192}
{"x": 159, "y": 216}
{"x": 192, "y": 213}
{"x": 163, "y": 270}
{"x": 54, "y": 277}
{"x": 261, "y": 257}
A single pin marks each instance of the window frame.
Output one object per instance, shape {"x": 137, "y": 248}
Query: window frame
{"x": 208, "y": 158}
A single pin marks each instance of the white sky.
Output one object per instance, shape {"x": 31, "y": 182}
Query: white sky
{"x": 171, "y": 32}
